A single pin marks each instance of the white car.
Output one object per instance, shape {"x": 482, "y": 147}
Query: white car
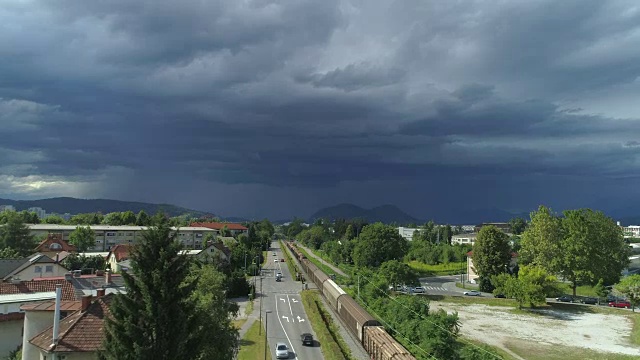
{"x": 419, "y": 290}
{"x": 282, "y": 351}
{"x": 274, "y": 253}
{"x": 472, "y": 293}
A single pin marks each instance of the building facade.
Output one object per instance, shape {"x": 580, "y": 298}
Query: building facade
{"x": 407, "y": 233}
{"x": 108, "y": 236}
{"x": 464, "y": 239}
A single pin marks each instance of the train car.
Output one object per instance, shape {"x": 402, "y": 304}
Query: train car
{"x": 316, "y": 275}
{"x": 332, "y": 292}
{"x": 354, "y": 316}
{"x": 382, "y": 346}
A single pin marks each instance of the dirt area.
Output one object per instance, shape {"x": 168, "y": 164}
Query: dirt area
{"x": 496, "y": 325}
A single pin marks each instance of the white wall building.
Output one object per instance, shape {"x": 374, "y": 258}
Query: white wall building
{"x": 407, "y": 233}
{"x": 13, "y": 318}
{"x": 631, "y": 231}
{"x": 39, "y": 211}
{"x": 464, "y": 239}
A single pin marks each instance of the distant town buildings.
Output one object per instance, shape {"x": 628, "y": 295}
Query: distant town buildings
{"x": 39, "y": 211}
{"x": 7, "y": 208}
{"x": 407, "y": 233}
{"x": 42, "y": 213}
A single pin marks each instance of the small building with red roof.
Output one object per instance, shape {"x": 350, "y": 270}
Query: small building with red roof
{"x": 234, "y": 229}
{"x": 53, "y": 245}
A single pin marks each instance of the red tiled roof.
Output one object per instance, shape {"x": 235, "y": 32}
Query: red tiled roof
{"x": 55, "y": 239}
{"x": 30, "y": 287}
{"x": 121, "y": 252}
{"x": 218, "y": 226}
{"x": 82, "y": 331}
{"x": 11, "y": 317}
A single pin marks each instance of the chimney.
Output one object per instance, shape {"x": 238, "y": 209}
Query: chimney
{"x": 107, "y": 277}
{"x": 86, "y": 301}
{"x": 56, "y": 315}
{"x": 100, "y": 292}
{"x": 57, "y": 258}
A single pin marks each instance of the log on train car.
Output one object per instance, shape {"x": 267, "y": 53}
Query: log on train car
{"x": 382, "y": 346}
{"x": 332, "y": 292}
{"x": 354, "y": 316}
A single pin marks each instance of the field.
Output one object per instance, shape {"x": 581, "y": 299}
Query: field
{"x": 252, "y": 345}
{"x": 552, "y": 332}
{"x": 453, "y": 268}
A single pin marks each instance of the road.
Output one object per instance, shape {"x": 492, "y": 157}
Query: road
{"x": 287, "y": 319}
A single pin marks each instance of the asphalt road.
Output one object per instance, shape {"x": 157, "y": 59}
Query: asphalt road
{"x": 287, "y": 319}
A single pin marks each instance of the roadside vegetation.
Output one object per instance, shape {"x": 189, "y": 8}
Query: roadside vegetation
{"x": 252, "y": 345}
{"x": 293, "y": 268}
{"x": 331, "y": 343}
{"x": 537, "y": 351}
{"x": 452, "y": 268}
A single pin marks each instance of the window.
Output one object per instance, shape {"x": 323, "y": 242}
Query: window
{"x": 111, "y": 234}
{"x": 38, "y": 269}
{"x": 49, "y": 268}
{"x": 55, "y": 246}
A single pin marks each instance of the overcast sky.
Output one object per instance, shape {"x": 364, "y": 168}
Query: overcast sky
{"x": 277, "y": 108}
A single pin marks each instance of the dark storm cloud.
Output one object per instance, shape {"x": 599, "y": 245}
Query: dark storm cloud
{"x": 315, "y": 93}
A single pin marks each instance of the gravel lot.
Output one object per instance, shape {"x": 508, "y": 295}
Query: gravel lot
{"x": 495, "y": 325}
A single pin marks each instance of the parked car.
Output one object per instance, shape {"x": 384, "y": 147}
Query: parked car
{"x": 620, "y": 304}
{"x": 419, "y": 290}
{"x": 307, "y": 339}
{"x": 501, "y": 296}
{"x": 565, "y": 298}
{"x": 590, "y": 300}
{"x": 472, "y": 293}
{"x": 282, "y": 351}
{"x": 281, "y": 260}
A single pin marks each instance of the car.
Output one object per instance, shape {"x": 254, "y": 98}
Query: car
{"x": 590, "y": 300}
{"x": 282, "y": 351}
{"x": 307, "y": 339}
{"x": 281, "y": 260}
{"x": 472, "y": 293}
{"x": 620, "y": 304}
{"x": 278, "y": 276}
{"x": 565, "y": 298}
{"x": 501, "y": 296}
{"x": 276, "y": 260}
{"x": 419, "y": 290}
{"x": 274, "y": 253}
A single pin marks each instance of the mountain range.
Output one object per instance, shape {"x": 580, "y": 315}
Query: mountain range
{"x": 70, "y": 205}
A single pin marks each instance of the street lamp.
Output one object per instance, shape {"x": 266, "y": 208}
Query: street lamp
{"x": 266, "y": 324}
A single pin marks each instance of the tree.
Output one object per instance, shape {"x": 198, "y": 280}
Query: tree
{"x": 396, "y": 273}
{"x": 128, "y": 218}
{"x": 53, "y": 219}
{"x": 532, "y": 285}
{"x": 29, "y": 217}
{"x": 491, "y": 254}
{"x": 378, "y": 243}
{"x": 82, "y": 238}
{"x": 16, "y": 235}
{"x": 517, "y": 225}
{"x": 113, "y": 218}
{"x": 157, "y": 318}
{"x": 142, "y": 219}
{"x": 541, "y": 242}
{"x": 215, "y": 313}
{"x": 9, "y": 253}
{"x": 86, "y": 219}
{"x": 630, "y": 287}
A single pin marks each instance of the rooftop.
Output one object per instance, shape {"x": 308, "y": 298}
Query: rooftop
{"x": 219, "y": 226}
{"x": 53, "y": 227}
{"x": 40, "y": 286}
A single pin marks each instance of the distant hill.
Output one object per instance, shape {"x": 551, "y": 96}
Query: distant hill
{"x": 70, "y": 205}
{"x": 385, "y": 213}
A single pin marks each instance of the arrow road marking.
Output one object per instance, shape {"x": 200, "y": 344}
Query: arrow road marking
{"x": 286, "y": 317}
{"x": 283, "y": 299}
{"x": 300, "y": 320}
{"x": 294, "y": 300}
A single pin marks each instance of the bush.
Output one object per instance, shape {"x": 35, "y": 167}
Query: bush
{"x": 237, "y": 284}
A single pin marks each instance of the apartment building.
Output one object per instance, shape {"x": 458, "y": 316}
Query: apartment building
{"x": 464, "y": 239}
{"x": 7, "y": 208}
{"x": 631, "y": 231}
{"x": 108, "y": 236}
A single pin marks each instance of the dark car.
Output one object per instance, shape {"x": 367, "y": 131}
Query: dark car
{"x": 565, "y": 298}
{"x": 501, "y": 296}
{"x": 590, "y": 300}
{"x": 307, "y": 339}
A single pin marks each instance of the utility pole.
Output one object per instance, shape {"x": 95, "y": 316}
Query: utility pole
{"x": 266, "y": 324}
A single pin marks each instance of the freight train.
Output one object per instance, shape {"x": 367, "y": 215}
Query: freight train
{"x": 373, "y": 337}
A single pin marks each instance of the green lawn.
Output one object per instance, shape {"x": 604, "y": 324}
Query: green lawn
{"x": 332, "y": 345}
{"x": 635, "y": 333}
{"x": 438, "y": 270}
{"x": 326, "y": 269}
{"x": 293, "y": 269}
{"x": 252, "y": 345}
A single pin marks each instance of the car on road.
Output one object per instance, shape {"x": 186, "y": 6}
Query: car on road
{"x": 590, "y": 300}
{"x": 472, "y": 293}
{"x": 419, "y": 290}
{"x": 282, "y": 351}
{"x": 281, "y": 260}
{"x": 500, "y": 296}
{"x": 565, "y": 298}
{"x": 620, "y": 304}
{"x": 274, "y": 253}
{"x": 307, "y": 339}
{"x": 276, "y": 260}
{"x": 278, "y": 276}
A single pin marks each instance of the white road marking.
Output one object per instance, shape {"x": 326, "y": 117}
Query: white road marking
{"x": 289, "y": 302}
{"x": 285, "y": 331}
{"x": 283, "y": 300}
{"x": 285, "y": 317}
{"x": 294, "y": 300}
{"x": 300, "y": 320}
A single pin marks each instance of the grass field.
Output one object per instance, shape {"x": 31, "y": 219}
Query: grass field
{"x": 438, "y": 270}
{"x": 252, "y": 345}
{"x": 326, "y": 269}
{"x": 332, "y": 345}
{"x": 537, "y": 351}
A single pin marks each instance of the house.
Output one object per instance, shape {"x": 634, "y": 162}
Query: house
{"x": 464, "y": 239}
{"x": 53, "y": 245}
{"x": 234, "y": 229}
{"x": 407, "y": 233}
{"x": 472, "y": 276}
{"x": 80, "y": 334}
{"x": 13, "y": 295}
{"x": 38, "y": 265}
{"x": 118, "y": 258}
{"x": 215, "y": 249}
